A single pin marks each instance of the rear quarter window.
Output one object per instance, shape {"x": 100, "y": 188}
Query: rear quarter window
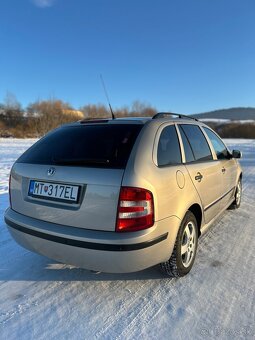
{"x": 168, "y": 152}
{"x": 100, "y": 145}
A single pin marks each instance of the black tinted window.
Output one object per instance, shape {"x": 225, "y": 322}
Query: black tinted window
{"x": 99, "y": 145}
{"x": 219, "y": 147}
{"x": 197, "y": 142}
{"x": 168, "y": 147}
{"x": 187, "y": 148}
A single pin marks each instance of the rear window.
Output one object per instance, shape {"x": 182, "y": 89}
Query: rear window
{"x": 85, "y": 145}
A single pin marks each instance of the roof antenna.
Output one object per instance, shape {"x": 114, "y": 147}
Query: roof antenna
{"x": 106, "y": 94}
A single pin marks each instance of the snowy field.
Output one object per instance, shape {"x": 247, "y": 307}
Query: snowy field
{"x": 42, "y": 299}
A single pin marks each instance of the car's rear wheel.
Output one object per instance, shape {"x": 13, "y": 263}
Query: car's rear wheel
{"x": 184, "y": 253}
{"x": 238, "y": 196}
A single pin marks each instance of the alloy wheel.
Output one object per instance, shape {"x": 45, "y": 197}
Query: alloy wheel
{"x": 188, "y": 244}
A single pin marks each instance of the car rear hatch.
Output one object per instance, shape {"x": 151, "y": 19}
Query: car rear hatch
{"x": 73, "y": 175}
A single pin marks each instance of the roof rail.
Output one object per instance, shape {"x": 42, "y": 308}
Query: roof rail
{"x": 164, "y": 114}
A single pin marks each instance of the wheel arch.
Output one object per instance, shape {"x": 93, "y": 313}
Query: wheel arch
{"x": 197, "y": 212}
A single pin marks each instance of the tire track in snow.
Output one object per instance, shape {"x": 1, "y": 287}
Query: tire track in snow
{"x": 19, "y": 309}
{"x": 159, "y": 298}
{"x": 112, "y": 319}
{"x": 143, "y": 315}
{"x": 226, "y": 239}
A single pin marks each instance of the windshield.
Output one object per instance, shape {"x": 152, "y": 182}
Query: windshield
{"x": 90, "y": 145}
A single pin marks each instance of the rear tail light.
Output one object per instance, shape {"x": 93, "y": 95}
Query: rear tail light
{"x": 135, "y": 210}
{"x": 10, "y": 200}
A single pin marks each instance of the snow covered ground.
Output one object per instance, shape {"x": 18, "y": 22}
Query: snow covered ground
{"x": 42, "y": 299}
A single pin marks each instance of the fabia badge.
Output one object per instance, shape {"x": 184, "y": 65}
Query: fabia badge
{"x": 51, "y": 171}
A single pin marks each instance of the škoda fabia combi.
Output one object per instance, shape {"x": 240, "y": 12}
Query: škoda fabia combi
{"x": 121, "y": 195}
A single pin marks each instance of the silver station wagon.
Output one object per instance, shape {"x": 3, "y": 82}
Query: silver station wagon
{"x": 122, "y": 195}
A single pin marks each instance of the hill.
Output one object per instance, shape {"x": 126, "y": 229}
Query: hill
{"x": 238, "y": 122}
{"x": 236, "y": 113}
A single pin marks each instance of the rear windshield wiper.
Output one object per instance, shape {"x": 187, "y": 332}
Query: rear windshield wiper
{"x": 78, "y": 161}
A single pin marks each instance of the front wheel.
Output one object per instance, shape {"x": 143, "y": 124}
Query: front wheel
{"x": 184, "y": 253}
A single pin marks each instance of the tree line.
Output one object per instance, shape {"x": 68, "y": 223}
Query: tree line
{"x": 42, "y": 116}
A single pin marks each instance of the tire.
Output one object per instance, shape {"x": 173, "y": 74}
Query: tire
{"x": 184, "y": 252}
{"x": 238, "y": 196}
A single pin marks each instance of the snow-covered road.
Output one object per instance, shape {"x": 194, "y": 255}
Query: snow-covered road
{"x": 42, "y": 299}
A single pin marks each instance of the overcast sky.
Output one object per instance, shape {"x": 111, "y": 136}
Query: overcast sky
{"x": 182, "y": 55}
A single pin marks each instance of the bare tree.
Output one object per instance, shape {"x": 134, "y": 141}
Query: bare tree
{"x": 100, "y": 111}
{"x": 142, "y": 109}
{"x": 95, "y": 111}
{"x": 48, "y": 114}
{"x": 12, "y": 108}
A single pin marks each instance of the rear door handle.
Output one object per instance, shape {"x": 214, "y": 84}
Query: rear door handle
{"x": 223, "y": 170}
{"x": 199, "y": 177}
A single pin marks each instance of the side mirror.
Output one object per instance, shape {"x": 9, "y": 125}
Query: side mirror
{"x": 236, "y": 154}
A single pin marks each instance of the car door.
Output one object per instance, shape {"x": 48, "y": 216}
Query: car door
{"x": 204, "y": 172}
{"x": 228, "y": 167}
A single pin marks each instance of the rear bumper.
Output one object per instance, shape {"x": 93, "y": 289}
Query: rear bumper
{"x": 96, "y": 250}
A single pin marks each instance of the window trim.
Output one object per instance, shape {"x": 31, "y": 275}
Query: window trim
{"x": 183, "y": 149}
{"x": 183, "y": 156}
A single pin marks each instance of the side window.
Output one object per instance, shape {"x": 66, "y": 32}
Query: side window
{"x": 168, "y": 147}
{"x": 197, "y": 141}
{"x": 219, "y": 147}
{"x": 187, "y": 148}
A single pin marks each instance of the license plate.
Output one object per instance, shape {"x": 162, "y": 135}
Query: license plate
{"x": 54, "y": 191}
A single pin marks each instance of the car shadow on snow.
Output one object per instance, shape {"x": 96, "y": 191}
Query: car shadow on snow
{"x": 33, "y": 267}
